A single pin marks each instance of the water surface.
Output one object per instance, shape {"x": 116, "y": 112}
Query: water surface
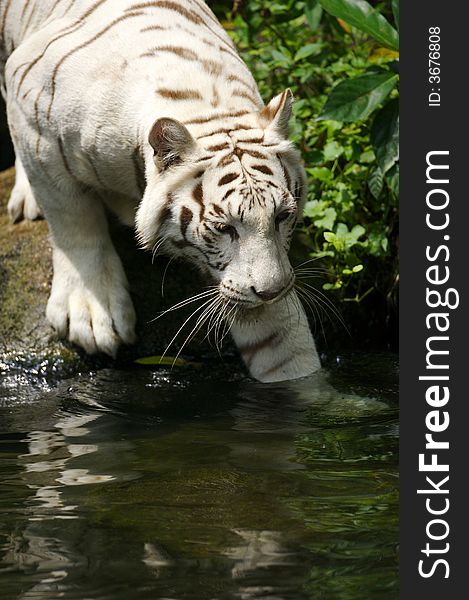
{"x": 194, "y": 484}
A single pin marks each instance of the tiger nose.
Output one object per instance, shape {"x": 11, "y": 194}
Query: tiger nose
{"x": 266, "y": 295}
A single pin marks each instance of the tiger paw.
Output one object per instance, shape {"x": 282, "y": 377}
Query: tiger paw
{"x": 98, "y": 315}
{"x": 22, "y": 204}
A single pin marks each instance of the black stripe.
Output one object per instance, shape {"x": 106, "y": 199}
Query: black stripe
{"x": 66, "y": 31}
{"x": 180, "y": 94}
{"x": 279, "y": 365}
{"x": 53, "y": 7}
{"x": 228, "y": 193}
{"x": 200, "y": 120}
{"x": 206, "y": 11}
{"x": 250, "y": 97}
{"x": 153, "y": 28}
{"x": 181, "y": 51}
{"x": 218, "y": 210}
{"x": 83, "y": 45}
{"x": 218, "y": 147}
{"x": 254, "y": 140}
{"x": 235, "y": 127}
{"x": 198, "y": 196}
{"x": 36, "y": 117}
{"x": 169, "y": 5}
{"x": 95, "y": 171}
{"x": 226, "y": 160}
{"x": 240, "y": 80}
{"x": 286, "y": 174}
{"x": 263, "y": 169}
{"x": 91, "y": 10}
{"x": 64, "y": 159}
{"x": 228, "y": 178}
{"x": 254, "y": 153}
{"x": 249, "y": 350}
{"x": 4, "y": 19}
{"x": 26, "y": 24}
{"x": 185, "y": 218}
{"x": 25, "y": 8}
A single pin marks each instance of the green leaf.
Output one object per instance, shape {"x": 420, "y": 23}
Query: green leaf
{"x": 352, "y": 238}
{"x": 363, "y": 16}
{"x": 308, "y": 50}
{"x": 395, "y": 12}
{"x": 367, "y": 157}
{"x": 378, "y": 243}
{"x": 385, "y": 135}
{"x": 332, "y": 150}
{"x": 392, "y": 179}
{"x": 321, "y": 173}
{"x": 313, "y": 12}
{"x": 343, "y": 239}
{"x": 282, "y": 58}
{"x": 328, "y": 219}
{"x": 355, "y": 99}
{"x": 376, "y": 182}
{"x": 321, "y": 214}
{"x": 164, "y": 360}
{"x": 355, "y": 269}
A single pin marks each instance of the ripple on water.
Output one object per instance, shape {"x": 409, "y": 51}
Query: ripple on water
{"x": 150, "y": 484}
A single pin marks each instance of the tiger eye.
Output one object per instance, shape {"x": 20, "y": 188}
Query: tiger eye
{"x": 283, "y": 216}
{"x": 223, "y": 227}
{"x": 226, "y": 229}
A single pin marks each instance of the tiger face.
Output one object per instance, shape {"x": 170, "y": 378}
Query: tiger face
{"x": 228, "y": 202}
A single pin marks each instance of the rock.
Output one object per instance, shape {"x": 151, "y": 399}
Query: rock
{"x": 27, "y": 341}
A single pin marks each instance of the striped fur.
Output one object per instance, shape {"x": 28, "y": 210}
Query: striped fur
{"x": 145, "y": 107}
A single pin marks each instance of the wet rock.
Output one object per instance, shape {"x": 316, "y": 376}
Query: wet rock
{"x": 27, "y": 341}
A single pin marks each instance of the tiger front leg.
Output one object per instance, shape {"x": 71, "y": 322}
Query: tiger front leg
{"x": 275, "y": 341}
{"x": 89, "y": 301}
{"x": 22, "y": 204}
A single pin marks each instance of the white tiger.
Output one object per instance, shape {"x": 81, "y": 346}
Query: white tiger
{"x": 145, "y": 107}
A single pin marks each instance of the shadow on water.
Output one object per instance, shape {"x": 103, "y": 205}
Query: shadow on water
{"x": 201, "y": 485}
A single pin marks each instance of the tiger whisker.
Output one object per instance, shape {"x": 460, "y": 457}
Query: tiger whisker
{"x": 223, "y": 327}
{"x": 190, "y": 300}
{"x": 229, "y": 325}
{"x": 219, "y": 322}
{"x": 201, "y": 319}
{"x": 213, "y": 327}
{"x": 309, "y": 271}
{"x": 185, "y": 323}
{"x": 310, "y": 303}
{"x": 164, "y": 275}
{"x": 297, "y": 305}
{"x": 321, "y": 300}
{"x": 306, "y": 262}
{"x": 214, "y": 320}
{"x": 157, "y": 246}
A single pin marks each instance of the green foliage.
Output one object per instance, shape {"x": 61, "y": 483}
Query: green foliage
{"x": 363, "y": 16}
{"x": 355, "y": 99}
{"x": 339, "y": 58}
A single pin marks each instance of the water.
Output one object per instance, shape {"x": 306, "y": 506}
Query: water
{"x": 193, "y": 484}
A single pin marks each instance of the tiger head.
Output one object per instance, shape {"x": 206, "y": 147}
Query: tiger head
{"x": 228, "y": 201}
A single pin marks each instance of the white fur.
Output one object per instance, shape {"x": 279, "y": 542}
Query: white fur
{"x": 84, "y": 86}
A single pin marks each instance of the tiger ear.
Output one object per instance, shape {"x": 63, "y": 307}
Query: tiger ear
{"x": 171, "y": 142}
{"x": 276, "y": 115}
